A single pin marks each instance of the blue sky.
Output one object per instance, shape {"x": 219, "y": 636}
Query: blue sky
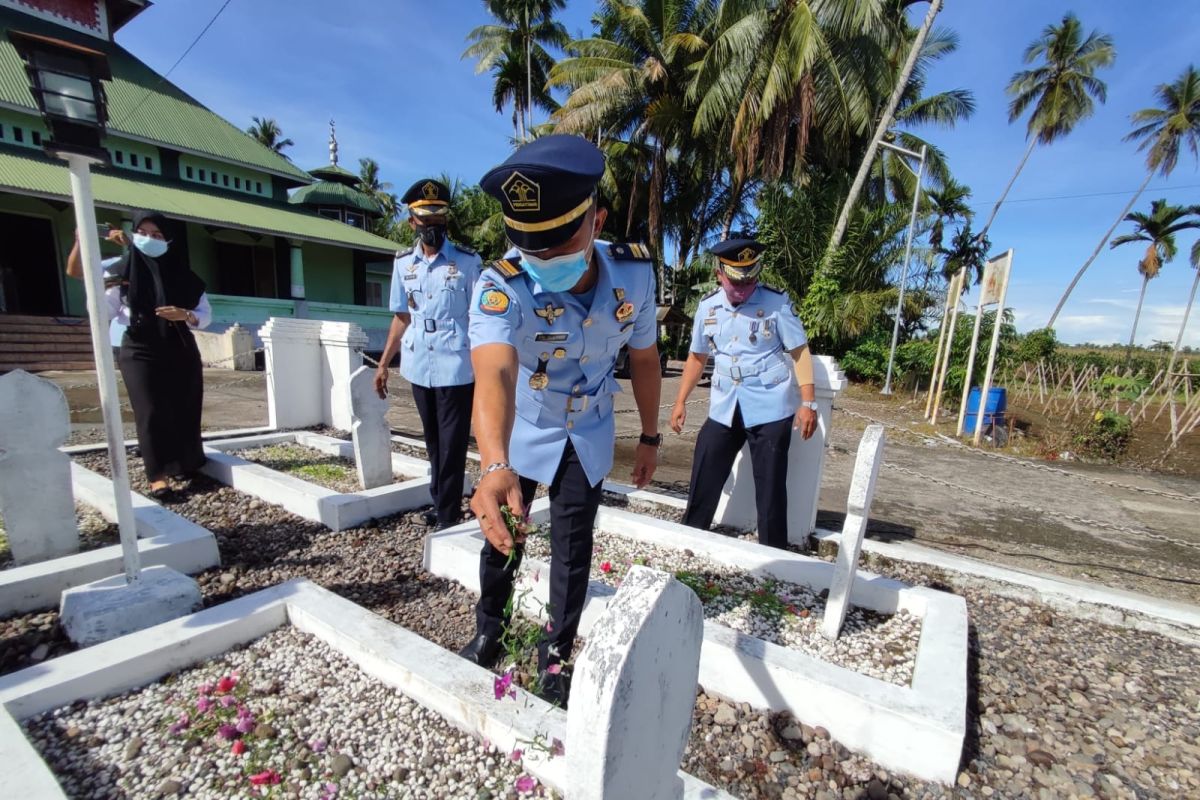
{"x": 391, "y": 75}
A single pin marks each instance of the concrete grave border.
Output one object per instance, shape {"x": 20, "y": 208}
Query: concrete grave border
{"x": 333, "y": 509}
{"x": 437, "y": 679}
{"x": 164, "y": 538}
{"x": 917, "y": 729}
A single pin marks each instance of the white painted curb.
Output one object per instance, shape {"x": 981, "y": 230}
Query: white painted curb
{"x": 437, "y": 679}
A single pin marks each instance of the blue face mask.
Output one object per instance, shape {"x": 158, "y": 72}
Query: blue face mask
{"x": 150, "y": 247}
{"x": 561, "y": 273}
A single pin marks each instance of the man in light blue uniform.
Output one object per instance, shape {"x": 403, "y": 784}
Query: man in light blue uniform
{"x": 547, "y": 323}
{"x": 763, "y": 368}
{"x": 431, "y": 292}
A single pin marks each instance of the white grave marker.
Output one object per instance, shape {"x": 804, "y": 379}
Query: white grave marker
{"x": 633, "y": 691}
{"x": 858, "y": 510}
{"x": 806, "y": 462}
{"x": 370, "y": 431}
{"x": 36, "y": 500}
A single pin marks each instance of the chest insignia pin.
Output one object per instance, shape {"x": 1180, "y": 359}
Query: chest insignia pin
{"x": 550, "y": 313}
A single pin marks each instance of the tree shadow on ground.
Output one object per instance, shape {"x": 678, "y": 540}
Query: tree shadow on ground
{"x": 878, "y": 529}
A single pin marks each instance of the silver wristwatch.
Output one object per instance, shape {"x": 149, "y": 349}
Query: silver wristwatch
{"x": 811, "y": 405}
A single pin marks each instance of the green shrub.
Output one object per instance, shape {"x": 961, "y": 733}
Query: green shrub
{"x": 1106, "y": 435}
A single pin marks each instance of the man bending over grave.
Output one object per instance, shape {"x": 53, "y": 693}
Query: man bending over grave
{"x": 547, "y": 323}
{"x": 762, "y": 387}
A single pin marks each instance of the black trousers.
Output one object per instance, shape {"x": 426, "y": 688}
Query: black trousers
{"x": 573, "y": 505}
{"x": 717, "y": 446}
{"x": 446, "y": 417}
{"x": 165, "y": 383}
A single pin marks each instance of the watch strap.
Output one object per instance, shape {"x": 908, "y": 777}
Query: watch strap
{"x": 652, "y": 441}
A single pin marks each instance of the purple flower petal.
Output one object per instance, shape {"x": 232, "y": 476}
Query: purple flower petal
{"x": 525, "y": 783}
{"x": 516, "y": 755}
{"x": 556, "y": 747}
{"x": 227, "y": 732}
{"x": 317, "y": 745}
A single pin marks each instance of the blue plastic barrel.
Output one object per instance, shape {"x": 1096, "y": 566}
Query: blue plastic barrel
{"x": 993, "y": 412}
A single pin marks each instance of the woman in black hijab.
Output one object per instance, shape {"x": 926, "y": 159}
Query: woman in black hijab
{"x": 153, "y": 292}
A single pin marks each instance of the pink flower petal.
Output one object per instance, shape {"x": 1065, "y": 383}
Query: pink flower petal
{"x": 525, "y": 783}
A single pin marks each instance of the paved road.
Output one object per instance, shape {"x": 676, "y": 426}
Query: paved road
{"x": 1073, "y": 521}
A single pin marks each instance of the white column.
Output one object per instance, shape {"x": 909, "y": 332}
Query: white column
{"x": 93, "y": 283}
{"x": 806, "y": 462}
{"x": 297, "y": 255}
{"x": 292, "y": 357}
{"x": 342, "y": 345}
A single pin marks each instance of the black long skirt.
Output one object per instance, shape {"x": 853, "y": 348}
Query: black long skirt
{"x": 165, "y": 383}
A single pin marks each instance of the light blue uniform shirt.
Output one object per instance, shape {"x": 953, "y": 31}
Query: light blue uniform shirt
{"x": 576, "y": 346}
{"x": 436, "y": 348}
{"x": 750, "y": 345}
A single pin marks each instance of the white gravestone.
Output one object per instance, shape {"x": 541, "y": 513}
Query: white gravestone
{"x": 806, "y": 461}
{"x": 308, "y": 364}
{"x": 858, "y": 511}
{"x": 342, "y": 345}
{"x": 633, "y": 691}
{"x": 369, "y": 430}
{"x": 36, "y": 501}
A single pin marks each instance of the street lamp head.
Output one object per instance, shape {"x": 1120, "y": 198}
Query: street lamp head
{"x": 65, "y": 79}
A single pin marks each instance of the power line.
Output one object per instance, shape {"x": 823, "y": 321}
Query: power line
{"x": 179, "y": 60}
{"x": 1092, "y": 194}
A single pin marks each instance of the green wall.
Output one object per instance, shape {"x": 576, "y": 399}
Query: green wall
{"x": 328, "y": 273}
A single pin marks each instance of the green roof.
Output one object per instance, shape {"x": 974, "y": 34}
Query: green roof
{"x": 328, "y": 193}
{"x": 332, "y": 172}
{"x": 141, "y": 104}
{"x": 39, "y": 176}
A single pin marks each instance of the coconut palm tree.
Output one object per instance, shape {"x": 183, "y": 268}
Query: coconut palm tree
{"x": 1062, "y": 90}
{"x": 1162, "y": 132}
{"x": 628, "y": 84}
{"x": 269, "y": 134}
{"x": 514, "y": 50}
{"x": 1158, "y": 229}
{"x": 379, "y": 190}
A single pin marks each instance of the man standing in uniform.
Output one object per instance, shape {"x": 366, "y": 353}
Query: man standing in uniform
{"x": 755, "y": 335}
{"x": 547, "y": 323}
{"x": 431, "y": 292}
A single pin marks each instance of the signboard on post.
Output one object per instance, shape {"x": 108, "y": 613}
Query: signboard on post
{"x": 992, "y": 291}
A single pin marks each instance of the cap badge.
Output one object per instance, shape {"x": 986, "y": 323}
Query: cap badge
{"x": 522, "y": 193}
{"x": 549, "y": 313}
{"x": 430, "y": 190}
{"x": 747, "y": 254}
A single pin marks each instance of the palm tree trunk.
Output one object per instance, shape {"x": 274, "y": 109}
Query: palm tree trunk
{"x": 996, "y": 208}
{"x": 528, "y": 70}
{"x": 885, "y": 122}
{"x": 1137, "y": 316}
{"x": 1063, "y": 300}
{"x": 735, "y": 200}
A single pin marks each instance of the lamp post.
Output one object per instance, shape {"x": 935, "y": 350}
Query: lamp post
{"x": 919, "y": 172}
{"x": 65, "y": 82}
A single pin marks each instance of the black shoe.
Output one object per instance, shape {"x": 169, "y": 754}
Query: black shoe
{"x": 429, "y": 518}
{"x": 554, "y": 688}
{"x": 483, "y": 650}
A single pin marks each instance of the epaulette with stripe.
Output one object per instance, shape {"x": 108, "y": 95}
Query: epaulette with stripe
{"x": 771, "y": 289}
{"x": 403, "y": 253}
{"x": 462, "y": 248}
{"x": 508, "y": 267}
{"x": 710, "y": 294}
{"x": 630, "y": 251}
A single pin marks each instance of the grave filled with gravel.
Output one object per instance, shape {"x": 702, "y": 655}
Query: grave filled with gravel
{"x": 883, "y": 646}
{"x": 94, "y": 532}
{"x": 1058, "y": 705}
{"x": 286, "y": 715}
{"x": 332, "y": 472}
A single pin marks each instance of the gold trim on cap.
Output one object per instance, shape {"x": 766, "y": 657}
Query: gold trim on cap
{"x": 424, "y": 203}
{"x": 550, "y": 224}
{"x": 729, "y": 263}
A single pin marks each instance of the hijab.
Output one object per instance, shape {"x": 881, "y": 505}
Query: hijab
{"x": 151, "y": 283}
